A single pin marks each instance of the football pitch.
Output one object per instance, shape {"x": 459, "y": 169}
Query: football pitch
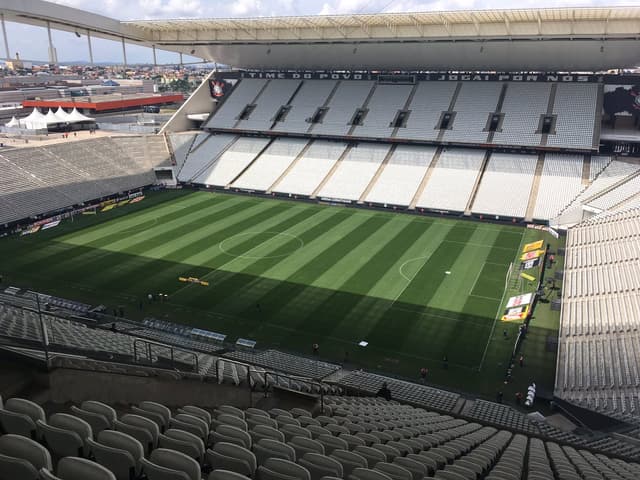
{"x": 290, "y": 274}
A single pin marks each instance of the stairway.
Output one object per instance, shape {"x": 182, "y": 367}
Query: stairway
{"x": 378, "y": 173}
{"x": 291, "y": 165}
{"x": 425, "y": 179}
{"x": 331, "y": 172}
{"x": 533, "y": 196}
{"x": 476, "y": 185}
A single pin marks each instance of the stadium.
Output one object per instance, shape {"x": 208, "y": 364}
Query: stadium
{"x": 370, "y": 247}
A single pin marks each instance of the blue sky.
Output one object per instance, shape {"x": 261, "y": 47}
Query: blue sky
{"x": 31, "y": 42}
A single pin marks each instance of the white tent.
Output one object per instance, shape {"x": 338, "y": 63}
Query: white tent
{"x": 52, "y": 118}
{"x": 35, "y": 120}
{"x": 62, "y": 115}
{"x": 12, "y": 123}
{"x": 76, "y": 116}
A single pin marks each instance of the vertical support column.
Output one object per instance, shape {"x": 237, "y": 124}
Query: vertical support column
{"x": 53, "y": 58}
{"x": 90, "y": 47}
{"x": 155, "y": 60}
{"x": 4, "y": 35}
{"x": 180, "y": 58}
{"x": 124, "y": 56}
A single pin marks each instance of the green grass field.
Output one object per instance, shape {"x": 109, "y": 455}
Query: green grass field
{"x": 290, "y": 274}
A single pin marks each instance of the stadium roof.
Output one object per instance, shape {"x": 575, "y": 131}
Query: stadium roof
{"x": 560, "y": 39}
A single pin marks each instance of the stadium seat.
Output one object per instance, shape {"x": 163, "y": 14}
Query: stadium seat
{"x": 370, "y": 454}
{"x": 66, "y": 435}
{"x": 394, "y": 471}
{"x": 142, "y": 435}
{"x": 118, "y": 452}
{"x": 100, "y": 408}
{"x": 19, "y": 416}
{"x": 267, "y": 448}
{"x": 97, "y": 421}
{"x": 331, "y": 443}
{"x": 368, "y": 474}
{"x": 144, "y": 423}
{"x": 164, "y": 464}
{"x": 183, "y": 441}
{"x": 259, "y": 420}
{"x": 225, "y": 475}
{"x": 291, "y": 431}
{"x": 22, "y": 458}
{"x": 228, "y": 456}
{"x": 74, "y": 468}
{"x": 279, "y": 469}
{"x": 304, "y": 445}
{"x": 228, "y": 433}
{"x": 196, "y": 412}
{"x": 263, "y": 431}
{"x": 349, "y": 461}
{"x": 228, "y": 419}
{"x": 230, "y": 410}
{"x": 320, "y": 465}
{"x": 158, "y": 408}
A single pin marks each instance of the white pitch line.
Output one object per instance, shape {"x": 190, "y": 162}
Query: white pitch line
{"x": 495, "y": 320}
{"x": 213, "y": 271}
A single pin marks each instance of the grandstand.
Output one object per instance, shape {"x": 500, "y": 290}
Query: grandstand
{"x": 228, "y": 287}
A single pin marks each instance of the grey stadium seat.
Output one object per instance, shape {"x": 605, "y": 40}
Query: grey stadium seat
{"x": 228, "y": 456}
{"x": 266, "y": 448}
{"x": 279, "y": 469}
{"x": 225, "y": 475}
{"x": 165, "y": 464}
{"x": 19, "y": 416}
{"x": 74, "y": 468}
{"x": 349, "y": 461}
{"x": 320, "y": 466}
{"x": 118, "y": 452}
{"x": 22, "y": 458}
{"x": 182, "y": 441}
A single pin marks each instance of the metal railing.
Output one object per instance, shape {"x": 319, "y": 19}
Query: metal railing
{"x": 148, "y": 344}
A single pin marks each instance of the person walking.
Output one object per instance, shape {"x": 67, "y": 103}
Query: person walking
{"x": 423, "y": 374}
{"x": 521, "y": 361}
{"x": 384, "y": 392}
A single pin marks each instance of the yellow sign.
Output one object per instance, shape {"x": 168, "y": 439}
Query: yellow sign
{"x": 515, "y": 314}
{"x": 123, "y": 202}
{"x": 526, "y": 276}
{"x": 533, "y": 246}
{"x": 108, "y": 207}
{"x": 531, "y": 255}
{"x": 193, "y": 280}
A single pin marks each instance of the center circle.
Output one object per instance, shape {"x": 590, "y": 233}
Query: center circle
{"x": 233, "y": 245}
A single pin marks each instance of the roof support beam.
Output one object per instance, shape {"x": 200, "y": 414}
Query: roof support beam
{"x": 4, "y": 35}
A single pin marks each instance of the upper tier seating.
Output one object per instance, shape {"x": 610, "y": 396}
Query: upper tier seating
{"x": 228, "y": 114}
{"x": 312, "y": 94}
{"x": 598, "y": 354}
{"x": 427, "y": 105}
{"x": 280, "y": 105}
{"x": 348, "y": 97}
{"x": 576, "y": 108}
{"x": 276, "y": 94}
{"x": 505, "y": 186}
{"x": 474, "y": 104}
{"x": 382, "y": 109}
{"x": 522, "y": 107}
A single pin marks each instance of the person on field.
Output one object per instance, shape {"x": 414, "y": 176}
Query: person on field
{"x": 384, "y": 392}
{"x": 423, "y": 374}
